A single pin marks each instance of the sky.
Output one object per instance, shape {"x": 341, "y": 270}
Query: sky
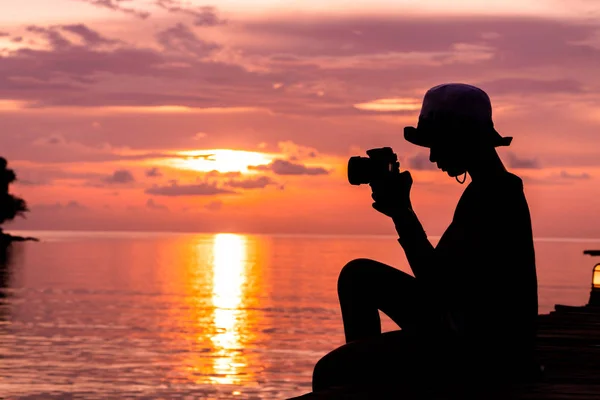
{"x": 240, "y": 116}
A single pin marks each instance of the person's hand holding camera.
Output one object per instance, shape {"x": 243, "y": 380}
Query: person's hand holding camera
{"x": 390, "y": 189}
{"x": 391, "y": 193}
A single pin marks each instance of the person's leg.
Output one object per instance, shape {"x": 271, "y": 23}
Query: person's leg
{"x": 366, "y": 286}
{"x": 373, "y": 362}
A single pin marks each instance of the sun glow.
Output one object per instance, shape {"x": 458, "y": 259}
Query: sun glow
{"x": 221, "y": 160}
{"x": 390, "y": 105}
{"x": 229, "y": 278}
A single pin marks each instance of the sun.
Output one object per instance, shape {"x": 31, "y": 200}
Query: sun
{"x": 221, "y": 160}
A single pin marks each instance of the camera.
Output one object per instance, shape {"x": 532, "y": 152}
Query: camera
{"x": 381, "y": 161}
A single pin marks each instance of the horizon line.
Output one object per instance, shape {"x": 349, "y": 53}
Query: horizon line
{"x": 306, "y": 234}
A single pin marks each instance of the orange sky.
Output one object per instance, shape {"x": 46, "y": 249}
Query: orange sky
{"x": 162, "y": 115}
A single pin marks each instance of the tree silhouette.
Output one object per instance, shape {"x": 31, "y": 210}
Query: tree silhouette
{"x": 10, "y": 206}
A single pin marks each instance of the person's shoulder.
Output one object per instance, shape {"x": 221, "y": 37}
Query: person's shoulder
{"x": 506, "y": 181}
{"x": 501, "y": 191}
{"x": 509, "y": 191}
{"x": 513, "y": 180}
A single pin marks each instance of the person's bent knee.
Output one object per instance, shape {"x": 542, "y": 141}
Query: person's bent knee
{"x": 356, "y": 268}
{"x": 319, "y": 376}
{"x": 337, "y": 368}
{"x": 353, "y": 272}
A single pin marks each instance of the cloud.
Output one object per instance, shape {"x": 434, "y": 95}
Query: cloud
{"x": 244, "y": 71}
{"x": 58, "y": 206}
{"x": 218, "y": 174}
{"x": 55, "y": 39}
{"x": 561, "y": 178}
{"x": 305, "y": 80}
{"x": 180, "y": 38}
{"x": 531, "y": 86}
{"x": 120, "y": 176}
{"x": 535, "y": 180}
{"x": 115, "y": 5}
{"x": 525, "y": 163}
{"x": 89, "y": 36}
{"x": 209, "y": 157}
{"x": 203, "y": 16}
{"x": 60, "y": 149}
{"x": 252, "y": 183}
{"x": 4, "y": 34}
{"x": 153, "y": 172}
{"x": 390, "y": 105}
{"x": 359, "y": 35}
{"x": 214, "y": 205}
{"x": 27, "y": 182}
{"x": 284, "y": 167}
{"x": 568, "y": 175}
{"x": 295, "y": 151}
{"x": 431, "y": 41}
{"x": 43, "y": 175}
{"x": 200, "y": 189}
{"x": 151, "y": 204}
{"x": 323, "y": 67}
{"x": 154, "y": 77}
{"x": 53, "y": 140}
{"x": 420, "y": 161}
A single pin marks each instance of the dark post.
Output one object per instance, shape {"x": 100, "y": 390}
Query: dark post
{"x": 595, "y": 290}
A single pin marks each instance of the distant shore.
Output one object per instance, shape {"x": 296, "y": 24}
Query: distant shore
{"x": 6, "y": 238}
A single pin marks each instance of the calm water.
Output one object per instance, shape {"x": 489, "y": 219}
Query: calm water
{"x": 121, "y": 315}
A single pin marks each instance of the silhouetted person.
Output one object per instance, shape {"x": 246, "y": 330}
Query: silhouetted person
{"x": 468, "y": 314}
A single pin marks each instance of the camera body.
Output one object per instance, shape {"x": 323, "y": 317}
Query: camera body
{"x": 380, "y": 161}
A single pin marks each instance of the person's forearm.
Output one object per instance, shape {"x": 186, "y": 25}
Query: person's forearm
{"x": 413, "y": 239}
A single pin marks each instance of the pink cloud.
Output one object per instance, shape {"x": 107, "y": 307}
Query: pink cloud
{"x": 202, "y": 16}
{"x": 322, "y": 72}
{"x": 153, "y": 172}
{"x": 115, "y": 5}
{"x": 69, "y": 206}
{"x": 252, "y": 183}
{"x": 121, "y": 176}
{"x": 182, "y": 39}
{"x": 284, "y": 167}
{"x": 176, "y": 190}
{"x": 515, "y": 161}
{"x": 90, "y": 37}
{"x": 420, "y": 161}
{"x": 54, "y": 38}
{"x": 303, "y": 80}
{"x": 562, "y": 178}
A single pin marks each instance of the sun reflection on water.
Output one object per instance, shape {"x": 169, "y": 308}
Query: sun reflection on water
{"x": 229, "y": 278}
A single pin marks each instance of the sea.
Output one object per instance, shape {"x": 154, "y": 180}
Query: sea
{"x": 103, "y": 315}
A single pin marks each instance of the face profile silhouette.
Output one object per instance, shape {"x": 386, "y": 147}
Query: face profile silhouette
{"x": 450, "y": 158}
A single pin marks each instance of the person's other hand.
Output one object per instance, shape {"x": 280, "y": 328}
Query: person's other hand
{"x": 391, "y": 193}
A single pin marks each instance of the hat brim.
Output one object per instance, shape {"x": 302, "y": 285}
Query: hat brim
{"x": 425, "y": 138}
{"x": 417, "y": 136}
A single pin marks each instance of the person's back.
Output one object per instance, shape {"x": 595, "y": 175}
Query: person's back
{"x": 487, "y": 272}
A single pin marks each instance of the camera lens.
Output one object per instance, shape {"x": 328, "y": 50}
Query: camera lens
{"x": 359, "y": 170}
